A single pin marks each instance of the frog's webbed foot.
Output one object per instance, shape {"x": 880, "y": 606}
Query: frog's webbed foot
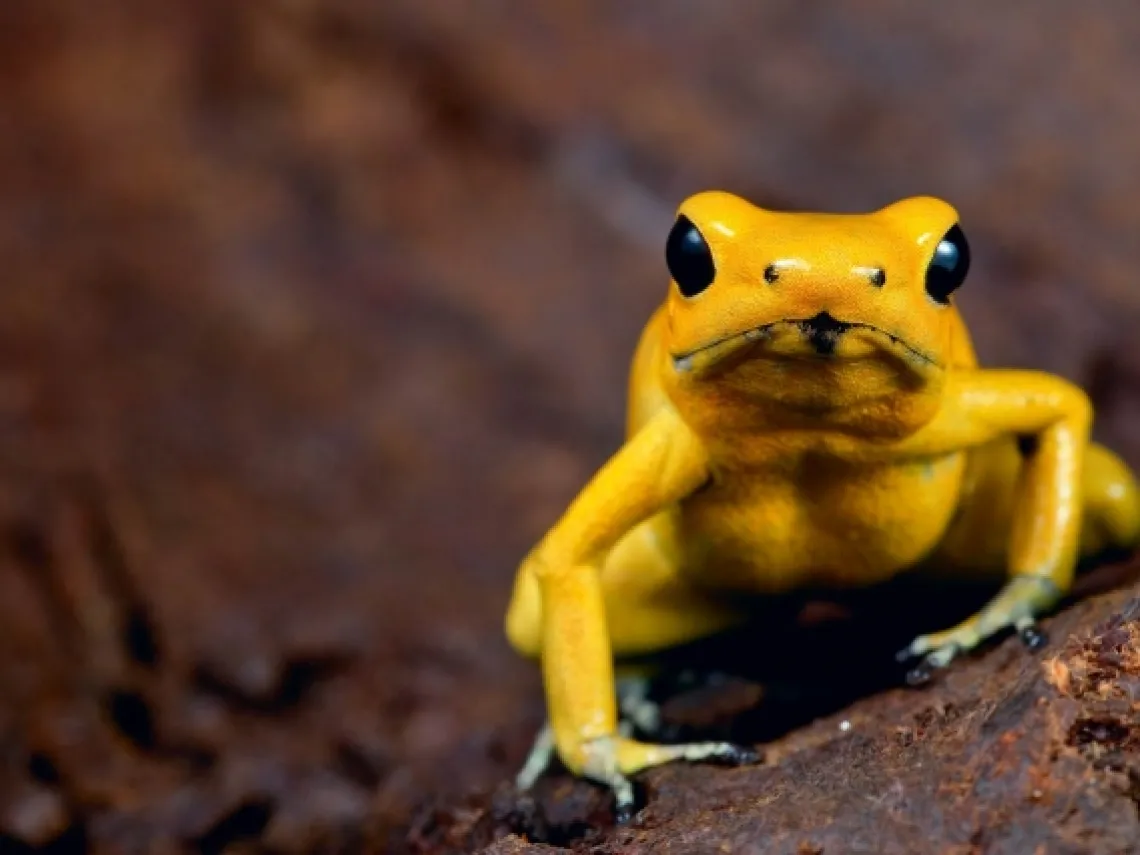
{"x": 611, "y": 760}
{"x": 639, "y": 713}
{"x": 1017, "y": 605}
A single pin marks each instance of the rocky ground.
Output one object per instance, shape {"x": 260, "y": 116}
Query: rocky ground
{"x": 313, "y": 316}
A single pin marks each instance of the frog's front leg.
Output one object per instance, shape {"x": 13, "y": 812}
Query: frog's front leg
{"x": 660, "y": 465}
{"x": 1056, "y": 416}
{"x": 1017, "y": 605}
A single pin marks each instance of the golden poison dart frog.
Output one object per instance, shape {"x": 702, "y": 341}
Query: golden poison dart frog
{"x": 806, "y": 409}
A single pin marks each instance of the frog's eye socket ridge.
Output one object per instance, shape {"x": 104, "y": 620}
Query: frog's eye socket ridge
{"x": 689, "y": 258}
{"x": 949, "y": 266}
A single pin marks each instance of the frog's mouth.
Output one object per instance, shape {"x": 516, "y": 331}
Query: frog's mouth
{"x": 820, "y": 337}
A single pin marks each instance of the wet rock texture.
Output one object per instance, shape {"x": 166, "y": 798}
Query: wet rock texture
{"x": 314, "y": 315}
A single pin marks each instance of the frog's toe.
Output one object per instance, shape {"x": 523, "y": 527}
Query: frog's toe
{"x": 737, "y": 755}
{"x": 637, "y": 708}
{"x": 1032, "y": 636}
{"x": 623, "y": 805}
{"x": 915, "y": 648}
{"x": 643, "y": 755}
{"x": 937, "y": 651}
{"x": 931, "y": 662}
{"x": 935, "y": 659}
{"x": 919, "y": 675}
{"x": 621, "y": 787}
{"x": 541, "y": 753}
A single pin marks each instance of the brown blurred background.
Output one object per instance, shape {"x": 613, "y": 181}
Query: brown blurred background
{"x": 314, "y": 315}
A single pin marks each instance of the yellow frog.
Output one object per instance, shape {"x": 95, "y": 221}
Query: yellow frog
{"x": 806, "y": 409}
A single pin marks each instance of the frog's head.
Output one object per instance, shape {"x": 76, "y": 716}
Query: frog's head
{"x": 816, "y": 311}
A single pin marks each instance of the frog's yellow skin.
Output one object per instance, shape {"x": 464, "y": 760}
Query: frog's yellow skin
{"x": 758, "y": 461}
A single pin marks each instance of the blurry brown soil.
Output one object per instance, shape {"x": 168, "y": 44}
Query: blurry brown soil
{"x": 313, "y": 316}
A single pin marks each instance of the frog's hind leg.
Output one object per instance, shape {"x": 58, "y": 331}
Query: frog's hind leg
{"x": 977, "y": 543}
{"x": 1111, "y": 522}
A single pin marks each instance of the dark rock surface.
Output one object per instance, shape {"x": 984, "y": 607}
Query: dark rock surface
{"x": 313, "y": 316}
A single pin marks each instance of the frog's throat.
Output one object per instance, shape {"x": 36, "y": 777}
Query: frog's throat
{"x": 708, "y": 355}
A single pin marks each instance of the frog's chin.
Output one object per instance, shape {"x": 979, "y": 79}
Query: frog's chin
{"x": 807, "y": 341}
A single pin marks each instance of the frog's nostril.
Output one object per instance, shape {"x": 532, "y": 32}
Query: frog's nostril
{"x": 877, "y": 276}
{"x": 771, "y": 274}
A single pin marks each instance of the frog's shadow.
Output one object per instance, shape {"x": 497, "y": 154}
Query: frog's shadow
{"x": 814, "y": 654}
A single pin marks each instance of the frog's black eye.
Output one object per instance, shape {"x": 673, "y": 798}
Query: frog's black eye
{"x": 948, "y": 267}
{"x": 689, "y": 258}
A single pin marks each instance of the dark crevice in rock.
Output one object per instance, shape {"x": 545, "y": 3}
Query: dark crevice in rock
{"x": 293, "y": 685}
{"x": 245, "y": 822}
{"x": 131, "y": 715}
